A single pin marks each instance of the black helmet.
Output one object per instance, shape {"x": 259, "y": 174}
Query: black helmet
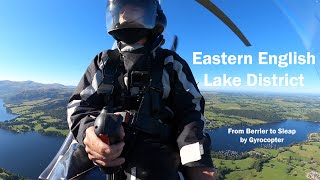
{"x": 133, "y": 19}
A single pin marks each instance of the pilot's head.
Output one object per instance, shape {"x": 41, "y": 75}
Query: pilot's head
{"x": 132, "y": 20}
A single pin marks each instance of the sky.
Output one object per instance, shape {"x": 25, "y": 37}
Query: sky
{"x": 54, "y": 41}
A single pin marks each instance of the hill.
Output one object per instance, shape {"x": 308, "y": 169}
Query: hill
{"x": 225, "y": 109}
{"x": 14, "y": 87}
{"x": 40, "y": 107}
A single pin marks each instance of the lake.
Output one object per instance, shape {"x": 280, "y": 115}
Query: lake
{"x": 3, "y": 113}
{"x": 27, "y": 154}
{"x": 228, "y": 137}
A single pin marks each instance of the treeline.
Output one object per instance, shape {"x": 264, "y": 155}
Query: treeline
{"x": 62, "y": 125}
{"x": 223, "y": 171}
{"x": 56, "y": 109}
{"x": 251, "y": 114}
{"x": 8, "y": 124}
{"x": 258, "y": 163}
{"x": 6, "y": 175}
{"x": 31, "y": 95}
{"x": 28, "y": 125}
{"x": 51, "y": 133}
{"x": 260, "y": 159}
{"x": 228, "y": 156}
{"x": 314, "y": 116}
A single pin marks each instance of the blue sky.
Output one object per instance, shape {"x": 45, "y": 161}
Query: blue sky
{"x": 54, "y": 41}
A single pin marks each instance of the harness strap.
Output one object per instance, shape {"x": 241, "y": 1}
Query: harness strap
{"x": 147, "y": 118}
{"x": 110, "y": 71}
{"x": 156, "y": 86}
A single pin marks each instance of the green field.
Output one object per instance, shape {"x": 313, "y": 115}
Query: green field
{"x": 47, "y": 116}
{"x": 225, "y": 109}
{"x": 295, "y": 162}
{"x": 299, "y": 161}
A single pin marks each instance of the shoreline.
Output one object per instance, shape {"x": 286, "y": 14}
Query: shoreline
{"x": 32, "y": 122}
{"x": 211, "y": 124}
{"x": 8, "y": 110}
{"x": 9, "y": 175}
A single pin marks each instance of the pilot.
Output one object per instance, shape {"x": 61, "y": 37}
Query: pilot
{"x": 156, "y": 88}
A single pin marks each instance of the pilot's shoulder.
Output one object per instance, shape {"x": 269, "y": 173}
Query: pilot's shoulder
{"x": 171, "y": 56}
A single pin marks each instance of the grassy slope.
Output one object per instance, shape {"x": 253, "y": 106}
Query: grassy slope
{"x": 224, "y": 109}
{"x": 292, "y": 163}
{"x": 33, "y": 118}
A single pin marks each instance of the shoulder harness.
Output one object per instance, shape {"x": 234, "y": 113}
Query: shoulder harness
{"x": 151, "y": 110}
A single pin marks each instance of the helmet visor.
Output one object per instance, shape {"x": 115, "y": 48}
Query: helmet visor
{"x": 122, "y": 14}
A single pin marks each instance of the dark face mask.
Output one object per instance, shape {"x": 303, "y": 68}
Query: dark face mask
{"x": 130, "y": 35}
{"x": 134, "y": 61}
{"x": 139, "y": 59}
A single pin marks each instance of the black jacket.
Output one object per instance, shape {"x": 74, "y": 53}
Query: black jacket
{"x": 180, "y": 92}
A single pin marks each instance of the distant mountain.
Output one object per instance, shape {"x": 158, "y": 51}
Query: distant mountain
{"x": 15, "y": 87}
{"x": 36, "y": 94}
{"x": 43, "y": 110}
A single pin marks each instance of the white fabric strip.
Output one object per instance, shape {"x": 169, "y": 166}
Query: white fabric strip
{"x": 91, "y": 89}
{"x": 70, "y": 110}
{"x": 104, "y": 62}
{"x": 187, "y": 85}
{"x": 168, "y": 59}
{"x": 97, "y": 80}
{"x": 166, "y": 84}
{"x": 190, "y": 153}
{"x": 86, "y": 93}
{"x": 133, "y": 173}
